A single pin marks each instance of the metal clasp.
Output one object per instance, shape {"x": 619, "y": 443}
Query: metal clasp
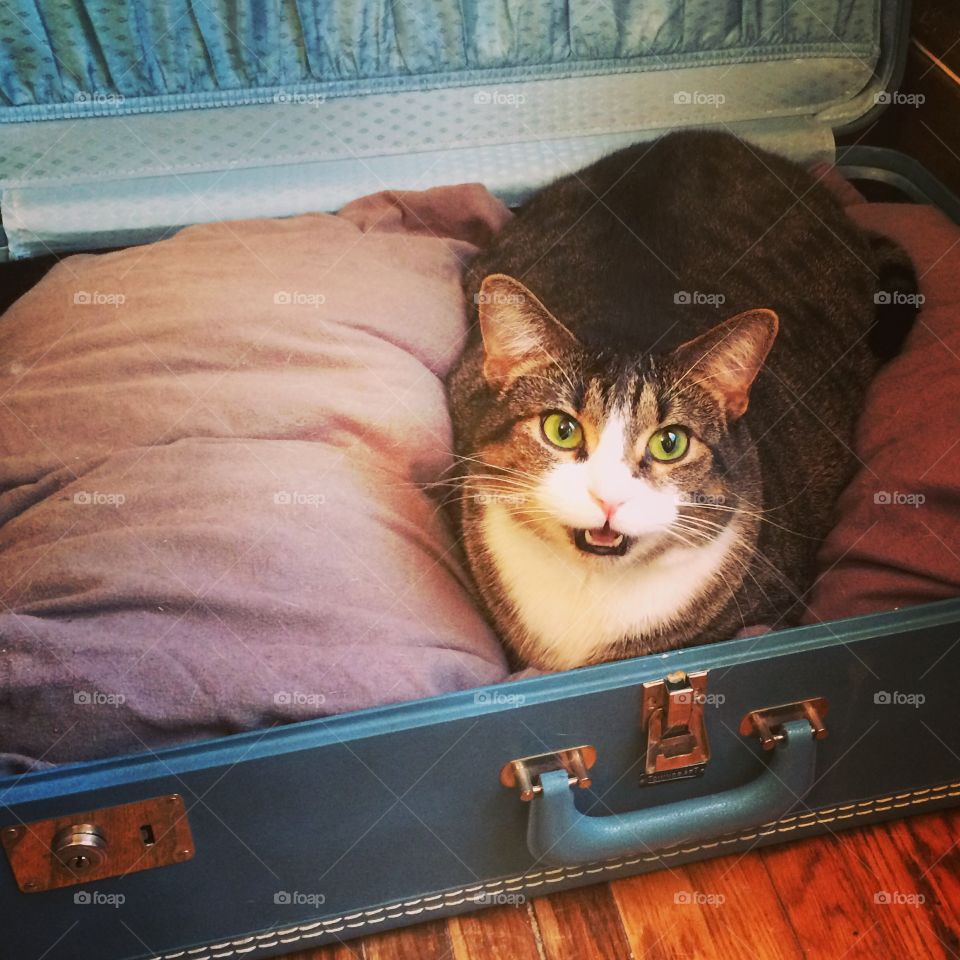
{"x": 672, "y": 716}
{"x": 525, "y": 772}
{"x": 767, "y": 723}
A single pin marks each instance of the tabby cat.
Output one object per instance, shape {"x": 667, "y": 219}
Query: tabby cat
{"x": 654, "y": 413}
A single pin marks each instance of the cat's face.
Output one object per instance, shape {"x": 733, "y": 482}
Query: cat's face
{"x": 613, "y": 460}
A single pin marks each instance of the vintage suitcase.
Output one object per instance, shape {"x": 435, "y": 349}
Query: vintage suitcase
{"x": 267, "y": 842}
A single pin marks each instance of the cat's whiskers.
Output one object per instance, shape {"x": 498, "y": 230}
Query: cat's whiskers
{"x": 493, "y": 466}
{"x": 700, "y": 521}
{"x": 461, "y": 482}
{"x": 754, "y": 551}
{"x": 484, "y": 463}
{"x": 776, "y": 506}
{"x": 480, "y": 481}
{"x": 732, "y": 557}
{"x": 756, "y": 515}
{"x": 687, "y": 543}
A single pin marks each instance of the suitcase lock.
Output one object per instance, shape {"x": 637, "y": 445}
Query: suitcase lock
{"x": 81, "y": 846}
{"x": 98, "y": 844}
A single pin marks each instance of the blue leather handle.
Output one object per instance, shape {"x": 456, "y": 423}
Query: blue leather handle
{"x": 558, "y": 833}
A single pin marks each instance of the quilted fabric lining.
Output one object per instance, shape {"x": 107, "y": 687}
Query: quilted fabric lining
{"x": 78, "y": 58}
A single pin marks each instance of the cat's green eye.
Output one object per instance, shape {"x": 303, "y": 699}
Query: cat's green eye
{"x": 562, "y": 430}
{"x": 668, "y": 444}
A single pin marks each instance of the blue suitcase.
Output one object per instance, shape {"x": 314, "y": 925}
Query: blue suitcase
{"x": 263, "y": 843}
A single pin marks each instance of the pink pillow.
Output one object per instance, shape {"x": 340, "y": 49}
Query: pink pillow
{"x": 211, "y": 458}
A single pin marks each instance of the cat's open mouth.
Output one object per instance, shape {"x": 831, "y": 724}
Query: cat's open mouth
{"x": 602, "y": 541}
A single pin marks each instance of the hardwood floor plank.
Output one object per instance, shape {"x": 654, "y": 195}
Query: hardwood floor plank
{"x": 832, "y": 895}
{"x": 931, "y": 847}
{"x": 338, "y": 951}
{"x": 922, "y": 860}
{"x": 500, "y": 933}
{"x": 583, "y": 923}
{"x": 661, "y": 918}
{"x": 426, "y": 941}
{"x": 751, "y": 920}
{"x": 724, "y": 908}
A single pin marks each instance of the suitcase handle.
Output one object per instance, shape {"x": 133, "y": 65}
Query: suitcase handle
{"x": 558, "y": 833}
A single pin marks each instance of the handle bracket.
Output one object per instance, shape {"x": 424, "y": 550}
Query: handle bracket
{"x": 768, "y": 724}
{"x": 525, "y": 772}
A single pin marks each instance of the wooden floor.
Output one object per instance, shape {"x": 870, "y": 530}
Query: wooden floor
{"x": 889, "y": 891}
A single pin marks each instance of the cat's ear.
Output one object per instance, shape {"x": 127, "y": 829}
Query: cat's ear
{"x": 727, "y": 358}
{"x": 519, "y": 333}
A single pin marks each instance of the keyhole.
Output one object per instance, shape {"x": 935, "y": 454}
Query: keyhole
{"x": 146, "y": 835}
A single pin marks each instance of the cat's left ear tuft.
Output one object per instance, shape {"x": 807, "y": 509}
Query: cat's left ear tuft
{"x": 519, "y": 333}
{"x": 727, "y": 358}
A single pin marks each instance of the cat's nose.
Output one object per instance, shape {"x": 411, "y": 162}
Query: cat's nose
{"x": 607, "y": 505}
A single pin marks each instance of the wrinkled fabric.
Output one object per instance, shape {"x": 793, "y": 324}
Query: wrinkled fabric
{"x": 99, "y": 55}
{"x": 212, "y": 453}
{"x": 895, "y": 542}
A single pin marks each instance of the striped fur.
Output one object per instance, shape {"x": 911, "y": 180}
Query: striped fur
{"x": 610, "y": 297}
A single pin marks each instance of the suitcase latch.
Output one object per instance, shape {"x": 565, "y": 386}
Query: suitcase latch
{"x": 672, "y": 716}
{"x": 525, "y": 772}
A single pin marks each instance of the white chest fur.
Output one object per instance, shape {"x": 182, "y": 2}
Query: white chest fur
{"x": 575, "y": 606}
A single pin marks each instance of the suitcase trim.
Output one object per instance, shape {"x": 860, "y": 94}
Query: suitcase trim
{"x": 283, "y": 937}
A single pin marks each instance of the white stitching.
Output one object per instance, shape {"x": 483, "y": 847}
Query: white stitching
{"x": 555, "y": 875}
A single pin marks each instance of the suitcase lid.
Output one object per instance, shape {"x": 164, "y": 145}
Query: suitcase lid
{"x": 119, "y": 123}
